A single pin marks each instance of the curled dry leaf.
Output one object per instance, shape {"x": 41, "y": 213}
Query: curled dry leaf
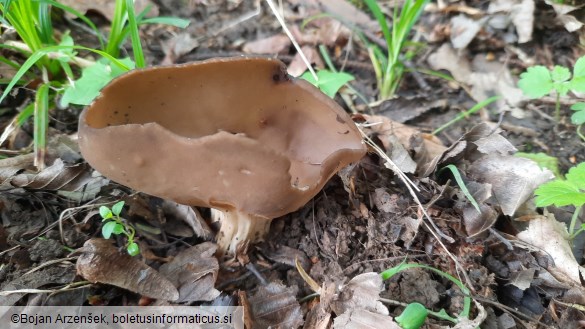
{"x": 546, "y": 233}
{"x": 519, "y": 12}
{"x": 513, "y": 179}
{"x": 189, "y": 216}
{"x": 194, "y": 272}
{"x": 275, "y": 306}
{"x": 361, "y": 292}
{"x": 101, "y": 262}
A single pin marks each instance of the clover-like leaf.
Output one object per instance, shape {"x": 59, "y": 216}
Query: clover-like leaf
{"x": 117, "y": 208}
{"x": 560, "y": 74}
{"x": 578, "y": 117}
{"x": 105, "y": 212}
{"x": 108, "y": 229}
{"x": 536, "y": 81}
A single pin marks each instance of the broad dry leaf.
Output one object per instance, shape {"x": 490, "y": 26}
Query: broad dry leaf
{"x": 564, "y": 15}
{"x": 189, "y": 215}
{"x": 464, "y": 30}
{"x": 546, "y": 233}
{"x": 101, "y": 262}
{"x": 275, "y": 306}
{"x": 194, "y": 272}
{"x": 520, "y": 13}
{"x": 275, "y": 44}
{"x": 362, "y": 319}
{"x": 361, "y": 292}
{"x": 513, "y": 179}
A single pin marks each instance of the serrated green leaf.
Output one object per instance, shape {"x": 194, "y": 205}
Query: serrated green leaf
{"x": 108, "y": 229}
{"x": 562, "y": 87}
{"x": 133, "y": 249}
{"x": 576, "y": 175}
{"x": 578, "y": 84}
{"x": 536, "y": 82}
{"x": 560, "y": 74}
{"x": 117, "y": 208}
{"x": 105, "y": 212}
{"x": 329, "y": 82}
{"x": 543, "y": 160}
{"x": 92, "y": 80}
{"x": 559, "y": 193}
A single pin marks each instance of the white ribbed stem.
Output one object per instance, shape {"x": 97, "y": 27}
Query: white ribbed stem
{"x": 237, "y": 228}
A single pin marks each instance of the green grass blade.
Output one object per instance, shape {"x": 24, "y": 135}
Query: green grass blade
{"x": 79, "y": 15}
{"x": 134, "y": 36}
{"x": 41, "y": 124}
{"x": 172, "y": 21}
{"x": 45, "y": 24}
{"x": 115, "y": 39}
{"x": 462, "y": 186}
{"x": 377, "y": 12}
{"x": 36, "y": 56}
{"x": 472, "y": 110}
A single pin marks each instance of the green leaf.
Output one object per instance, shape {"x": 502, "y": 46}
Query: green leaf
{"x": 105, "y": 212}
{"x": 543, "y": 160}
{"x": 578, "y": 81}
{"x": 536, "y": 82}
{"x": 118, "y": 229}
{"x": 173, "y": 21}
{"x": 133, "y": 249}
{"x": 576, "y": 175}
{"x": 560, "y": 193}
{"x": 117, "y": 208}
{"x": 413, "y": 316}
{"x": 560, "y": 74}
{"x": 108, "y": 229}
{"x": 93, "y": 78}
{"x": 578, "y": 106}
{"x": 578, "y": 118}
{"x": 329, "y": 82}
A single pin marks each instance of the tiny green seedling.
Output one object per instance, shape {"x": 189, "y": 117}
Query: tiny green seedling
{"x": 539, "y": 81}
{"x": 413, "y": 316}
{"x": 565, "y": 192}
{"x": 114, "y": 224}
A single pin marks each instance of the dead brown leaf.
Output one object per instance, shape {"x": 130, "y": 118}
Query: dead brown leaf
{"x": 360, "y": 319}
{"x": 194, "y": 272}
{"x": 275, "y": 306}
{"x": 361, "y": 292}
{"x": 107, "y": 7}
{"x": 546, "y": 233}
{"x": 101, "y": 262}
{"x": 275, "y": 44}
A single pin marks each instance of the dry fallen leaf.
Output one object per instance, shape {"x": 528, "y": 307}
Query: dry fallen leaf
{"x": 519, "y": 12}
{"x": 101, "y": 262}
{"x": 275, "y": 44}
{"x": 546, "y": 233}
{"x": 194, "y": 272}
{"x": 275, "y": 306}
{"x": 361, "y": 319}
{"x": 361, "y": 292}
{"x": 107, "y": 7}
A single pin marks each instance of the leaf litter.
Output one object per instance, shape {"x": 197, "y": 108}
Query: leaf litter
{"x": 343, "y": 240}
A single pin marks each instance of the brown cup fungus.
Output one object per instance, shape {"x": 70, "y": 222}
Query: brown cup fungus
{"x": 237, "y": 135}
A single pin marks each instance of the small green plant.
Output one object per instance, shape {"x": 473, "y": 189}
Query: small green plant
{"x": 388, "y": 65}
{"x": 539, "y": 81}
{"x": 413, "y": 316}
{"x": 578, "y": 118}
{"x": 565, "y": 192}
{"x": 50, "y": 61}
{"x": 329, "y": 82}
{"x": 416, "y": 314}
{"x": 114, "y": 224}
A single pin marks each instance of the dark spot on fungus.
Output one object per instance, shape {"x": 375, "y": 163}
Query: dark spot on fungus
{"x": 129, "y": 106}
{"x": 263, "y": 123}
{"x": 126, "y": 114}
{"x": 115, "y": 112}
{"x": 281, "y": 75}
{"x": 163, "y": 104}
{"x": 339, "y": 119}
{"x": 276, "y": 78}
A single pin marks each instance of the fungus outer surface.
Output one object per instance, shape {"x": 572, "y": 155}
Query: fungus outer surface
{"x": 232, "y": 134}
